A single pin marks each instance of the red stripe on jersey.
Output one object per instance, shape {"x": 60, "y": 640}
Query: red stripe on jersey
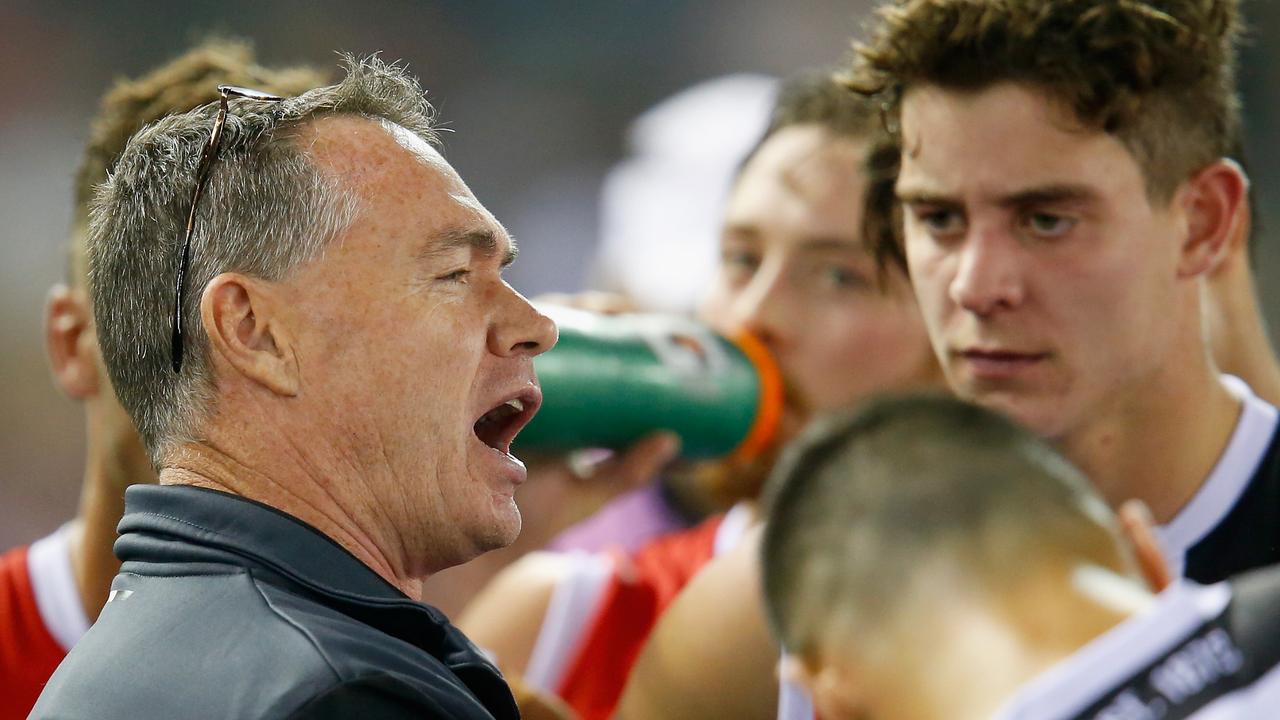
{"x": 639, "y": 591}
{"x": 28, "y": 652}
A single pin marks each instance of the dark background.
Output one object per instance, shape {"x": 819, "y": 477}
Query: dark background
{"x": 538, "y": 95}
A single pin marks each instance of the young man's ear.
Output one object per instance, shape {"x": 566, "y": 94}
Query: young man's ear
{"x": 1139, "y": 529}
{"x": 242, "y": 318}
{"x": 832, "y": 689}
{"x": 69, "y": 342}
{"x": 1214, "y": 200}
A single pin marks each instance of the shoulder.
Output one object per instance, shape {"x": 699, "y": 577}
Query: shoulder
{"x": 384, "y": 695}
{"x": 187, "y": 627}
{"x": 711, "y": 653}
{"x": 1252, "y": 615}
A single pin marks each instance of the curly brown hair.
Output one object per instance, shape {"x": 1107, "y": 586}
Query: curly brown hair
{"x": 1159, "y": 75}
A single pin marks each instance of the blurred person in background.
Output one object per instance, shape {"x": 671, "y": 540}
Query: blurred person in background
{"x": 929, "y": 559}
{"x": 52, "y": 590}
{"x": 331, "y": 412}
{"x": 794, "y": 272}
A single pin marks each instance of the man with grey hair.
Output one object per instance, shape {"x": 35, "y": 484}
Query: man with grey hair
{"x": 301, "y": 306}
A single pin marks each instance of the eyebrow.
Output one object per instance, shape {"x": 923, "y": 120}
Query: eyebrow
{"x": 1046, "y": 195}
{"x": 483, "y": 241}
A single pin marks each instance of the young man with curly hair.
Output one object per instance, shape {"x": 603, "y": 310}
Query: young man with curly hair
{"x": 1067, "y": 188}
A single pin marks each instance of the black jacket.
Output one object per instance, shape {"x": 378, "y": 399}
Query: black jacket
{"x": 226, "y": 608}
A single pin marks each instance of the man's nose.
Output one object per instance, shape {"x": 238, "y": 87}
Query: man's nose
{"x": 763, "y": 306}
{"x": 520, "y": 329}
{"x": 989, "y": 274}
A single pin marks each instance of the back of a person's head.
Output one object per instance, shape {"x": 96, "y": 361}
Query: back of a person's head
{"x": 1157, "y": 74}
{"x": 883, "y": 520}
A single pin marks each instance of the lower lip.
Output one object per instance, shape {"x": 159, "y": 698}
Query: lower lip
{"x": 507, "y": 466}
{"x": 1003, "y": 367}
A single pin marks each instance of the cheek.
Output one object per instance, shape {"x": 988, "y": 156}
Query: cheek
{"x": 930, "y": 277}
{"x": 714, "y": 310}
{"x": 848, "y": 356}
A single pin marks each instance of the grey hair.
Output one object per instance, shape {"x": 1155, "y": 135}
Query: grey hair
{"x": 878, "y": 514}
{"x": 266, "y": 210}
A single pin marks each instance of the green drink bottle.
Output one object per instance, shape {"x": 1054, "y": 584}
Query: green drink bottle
{"x": 613, "y": 378}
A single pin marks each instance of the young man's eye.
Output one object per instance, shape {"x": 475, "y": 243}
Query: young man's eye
{"x": 940, "y": 222}
{"x": 843, "y": 278}
{"x": 1049, "y": 225}
{"x": 739, "y": 264}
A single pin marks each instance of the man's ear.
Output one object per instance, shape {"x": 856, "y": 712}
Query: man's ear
{"x": 1214, "y": 199}
{"x": 69, "y": 341}
{"x": 1139, "y": 529}
{"x": 832, "y": 689}
{"x": 242, "y": 318}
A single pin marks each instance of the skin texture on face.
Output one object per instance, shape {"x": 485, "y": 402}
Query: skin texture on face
{"x": 407, "y": 334}
{"x": 1050, "y": 285}
{"x": 794, "y": 272}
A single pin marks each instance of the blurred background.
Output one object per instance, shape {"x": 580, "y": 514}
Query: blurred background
{"x": 538, "y": 94}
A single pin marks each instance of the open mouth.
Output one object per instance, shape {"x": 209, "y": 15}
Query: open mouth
{"x": 498, "y": 427}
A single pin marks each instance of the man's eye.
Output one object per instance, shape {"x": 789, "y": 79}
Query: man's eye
{"x": 1049, "y": 225}
{"x": 459, "y": 276}
{"x": 941, "y": 222}
{"x": 739, "y": 262}
{"x": 843, "y": 278}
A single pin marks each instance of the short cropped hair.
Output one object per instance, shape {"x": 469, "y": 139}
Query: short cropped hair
{"x": 266, "y": 210}
{"x": 184, "y": 83}
{"x": 869, "y": 505}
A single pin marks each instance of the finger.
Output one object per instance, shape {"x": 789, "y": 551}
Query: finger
{"x": 642, "y": 462}
{"x": 1138, "y": 526}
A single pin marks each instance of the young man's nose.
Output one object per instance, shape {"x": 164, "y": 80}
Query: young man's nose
{"x": 765, "y": 308}
{"x": 988, "y": 276}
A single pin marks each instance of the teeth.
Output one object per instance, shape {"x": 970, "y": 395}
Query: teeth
{"x": 519, "y": 406}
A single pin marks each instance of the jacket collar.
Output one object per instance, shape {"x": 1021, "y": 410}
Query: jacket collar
{"x": 181, "y": 524}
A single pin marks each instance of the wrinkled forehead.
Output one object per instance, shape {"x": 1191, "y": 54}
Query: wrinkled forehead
{"x": 386, "y": 163}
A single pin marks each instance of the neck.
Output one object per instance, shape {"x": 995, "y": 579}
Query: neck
{"x": 945, "y": 684}
{"x": 320, "y": 502}
{"x": 1159, "y": 438}
{"x": 1047, "y": 616}
{"x": 1236, "y": 329}
{"x": 114, "y": 460}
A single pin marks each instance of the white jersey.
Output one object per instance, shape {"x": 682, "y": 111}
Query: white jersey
{"x": 1202, "y": 653}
